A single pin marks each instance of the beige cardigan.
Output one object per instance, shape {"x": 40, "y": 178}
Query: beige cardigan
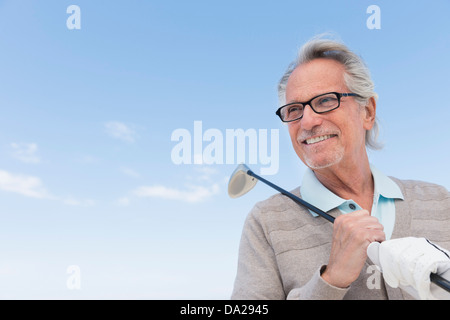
{"x": 283, "y": 247}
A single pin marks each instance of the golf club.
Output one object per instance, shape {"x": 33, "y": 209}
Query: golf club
{"x": 243, "y": 180}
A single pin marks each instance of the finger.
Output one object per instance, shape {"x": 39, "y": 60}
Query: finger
{"x": 359, "y": 213}
{"x": 359, "y": 220}
{"x": 377, "y": 236}
{"x": 366, "y": 236}
{"x": 350, "y": 219}
{"x": 371, "y": 223}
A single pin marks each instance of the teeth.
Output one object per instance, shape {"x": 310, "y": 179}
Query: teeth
{"x": 318, "y": 139}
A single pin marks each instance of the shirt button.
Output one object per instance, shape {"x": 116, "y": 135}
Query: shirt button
{"x": 352, "y": 206}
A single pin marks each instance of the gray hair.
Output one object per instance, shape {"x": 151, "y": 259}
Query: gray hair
{"x": 356, "y": 77}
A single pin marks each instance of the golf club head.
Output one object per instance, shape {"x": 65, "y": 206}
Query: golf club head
{"x": 240, "y": 182}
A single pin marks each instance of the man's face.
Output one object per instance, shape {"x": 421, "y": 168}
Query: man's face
{"x": 341, "y": 132}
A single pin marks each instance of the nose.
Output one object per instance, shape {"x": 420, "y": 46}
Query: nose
{"x": 310, "y": 119}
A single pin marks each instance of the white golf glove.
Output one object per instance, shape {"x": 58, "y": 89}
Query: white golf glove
{"x": 408, "y": 262}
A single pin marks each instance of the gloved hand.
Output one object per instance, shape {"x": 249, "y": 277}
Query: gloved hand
{"x": 408, "y": 263}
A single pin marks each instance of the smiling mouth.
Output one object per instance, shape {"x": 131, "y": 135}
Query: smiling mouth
{"x": 318, "y": 139}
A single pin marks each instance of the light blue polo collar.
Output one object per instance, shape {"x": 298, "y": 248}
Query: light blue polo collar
{"x": 319, "y": 196}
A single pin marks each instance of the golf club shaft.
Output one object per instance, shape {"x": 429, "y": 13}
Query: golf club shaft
{"x": 293, "y": 197}
{"x": 434, "y": 278}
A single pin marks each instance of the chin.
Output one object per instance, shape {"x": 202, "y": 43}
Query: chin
{"x": 316, "y": 164}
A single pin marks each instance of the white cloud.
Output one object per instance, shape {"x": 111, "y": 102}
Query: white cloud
{"x": 32, "y": 187}
{"x": 201, "y": 187}
{"x": 25, "y": 152}
{"x": 203, "y": 174}
{"x": 121, "y": 131}
{"x": 130, "y": 172}
{"x": 194, "y": 194}
{"x": 123, "y": 202}
{"x": 71, "y": 201}
{"x": 25, "y": 185}
{"x": 88, "y": 159}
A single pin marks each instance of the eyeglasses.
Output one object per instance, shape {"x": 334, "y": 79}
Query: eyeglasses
{"x": 320, "y": 104}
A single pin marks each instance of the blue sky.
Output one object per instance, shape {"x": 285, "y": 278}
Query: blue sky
{"x": 86, "y": 174}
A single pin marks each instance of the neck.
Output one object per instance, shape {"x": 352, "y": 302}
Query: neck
{"x": 350, "y": 181}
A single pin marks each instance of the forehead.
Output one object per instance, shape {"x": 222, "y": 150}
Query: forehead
{"x": 315, "y": 77}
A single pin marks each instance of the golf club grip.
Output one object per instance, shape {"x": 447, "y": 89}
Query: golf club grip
{"x": 440, "y": 282}
{"x": 434, "y": 278}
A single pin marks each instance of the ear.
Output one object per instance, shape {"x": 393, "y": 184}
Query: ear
{"x": 369, "y": 113}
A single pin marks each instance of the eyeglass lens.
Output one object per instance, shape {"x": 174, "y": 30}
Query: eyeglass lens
{"x": 320, "y": 104}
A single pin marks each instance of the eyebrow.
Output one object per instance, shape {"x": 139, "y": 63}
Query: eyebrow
{"x": 298, "y": 101}
{"x": 314, "y": 96}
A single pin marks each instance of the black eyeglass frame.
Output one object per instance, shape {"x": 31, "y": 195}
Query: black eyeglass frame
{"x": 308, "y": 103}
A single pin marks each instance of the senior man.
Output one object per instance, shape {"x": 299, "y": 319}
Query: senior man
{"x": 329, "y": 105}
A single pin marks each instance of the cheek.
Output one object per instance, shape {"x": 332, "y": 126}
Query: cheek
{"x": 354, "y": 131}
{"x": 293, "y": 129}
